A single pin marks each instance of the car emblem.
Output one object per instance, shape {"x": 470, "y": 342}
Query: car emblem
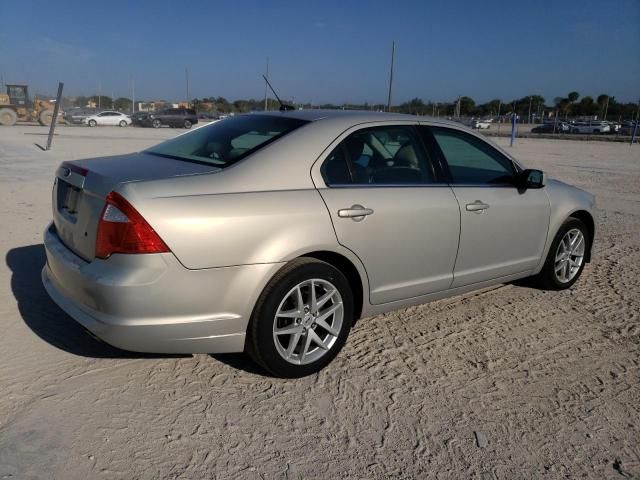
{"x": 66, "y": 172}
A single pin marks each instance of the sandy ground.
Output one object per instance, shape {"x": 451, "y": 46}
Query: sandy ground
{"x": 511, "y": 382}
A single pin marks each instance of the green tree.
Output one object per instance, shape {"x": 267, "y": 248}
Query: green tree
{"x": 122, "y": 104}
{"x": 102, "y": 101}
{"x": 603, "y": 102}
{"x": 467, "y": 104}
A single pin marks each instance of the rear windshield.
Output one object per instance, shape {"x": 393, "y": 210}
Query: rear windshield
{"x": 227, "y": 141}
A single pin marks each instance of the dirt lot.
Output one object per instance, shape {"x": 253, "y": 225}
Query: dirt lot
{"x": 508, "y": 383}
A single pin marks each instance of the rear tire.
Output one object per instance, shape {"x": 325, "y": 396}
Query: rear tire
{"x": 296, "y": 353}
{"x": 187, "y": 124}
{"x": 156, "y": 123}
{"x": 549, "y": 277}
{"x": 45, "y": 118}
{"x": 8, "y": 117}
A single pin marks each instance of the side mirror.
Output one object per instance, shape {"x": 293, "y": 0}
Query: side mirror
{"x": 531, "y": 179}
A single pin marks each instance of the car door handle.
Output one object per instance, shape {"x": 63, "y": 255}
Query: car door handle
{"x": 477, "y": 206}
{"x": 356, "y": 212}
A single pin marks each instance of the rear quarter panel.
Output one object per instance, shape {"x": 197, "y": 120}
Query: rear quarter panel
{"x": 225, "y": 229}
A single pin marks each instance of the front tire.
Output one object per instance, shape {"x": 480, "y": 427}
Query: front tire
{"x": 567, "y": 256}
{"x": 187, "y": 124}
{"x": 123, "y": 123}
{"x": 93, "y": 123}
{"x": 301, "y": 320}
{"x": 156, "y": 123}
{"x": 8, "y": 117}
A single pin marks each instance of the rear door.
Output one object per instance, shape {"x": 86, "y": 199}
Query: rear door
{"x": 388, "y": 206}
{"x": 503, "y": 228}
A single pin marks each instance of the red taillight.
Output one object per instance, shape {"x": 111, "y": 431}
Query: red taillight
{"x": 123, "y": 230}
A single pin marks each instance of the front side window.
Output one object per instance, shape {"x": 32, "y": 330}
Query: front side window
{"x": 470, "y": 160}
{"x": 391, "y": 155}
{"x": 226, "y": 142}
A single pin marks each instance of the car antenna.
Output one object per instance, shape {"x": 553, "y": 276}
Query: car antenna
{"x": 283, "y": 106}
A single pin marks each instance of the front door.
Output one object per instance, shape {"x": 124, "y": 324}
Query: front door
{"x": 388, "y": 208}
{"x": 503, "y": 228}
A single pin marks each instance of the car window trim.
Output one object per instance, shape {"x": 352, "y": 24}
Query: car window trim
{"x": 443, "y": 159}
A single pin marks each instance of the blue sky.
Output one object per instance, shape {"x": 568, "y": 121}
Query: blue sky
{"x": 325, "y": 51}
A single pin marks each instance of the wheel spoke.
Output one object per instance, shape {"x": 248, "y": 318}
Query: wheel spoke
{"x": 289, "y": 314}
{"x": 305, "y": 349}
{"x": 325, "y": 298}
{"x": 322, "y": 322}
{"x": 293, "y": 342}
{"x": 289, "y": 330}
{"x": 299, "y": 298}
{"x": 328, "y": 312}
{"x": 578, "y": 244}
{"x": 316, "y": 339}
{"x": 314, "y": 304}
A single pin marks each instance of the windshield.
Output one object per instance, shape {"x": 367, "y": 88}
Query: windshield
{"x": 227, "y": 141}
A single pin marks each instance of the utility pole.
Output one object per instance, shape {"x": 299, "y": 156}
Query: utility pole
{"x": 529, "y": 116}
{"x": 266, "y": 76}
{"x": 99, "y": 95}
{"x": 393, "y": 52}
{"x": 186, "y": 72}
{"x": 133, "y": 95}
{"x": 635, "y": 127}
{"x": 606, "y": 107}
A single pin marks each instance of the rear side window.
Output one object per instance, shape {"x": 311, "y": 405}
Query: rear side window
{"x": 223, "y": 143}
{"x": 470, "y": 160}
{"x": 390, "y": 155}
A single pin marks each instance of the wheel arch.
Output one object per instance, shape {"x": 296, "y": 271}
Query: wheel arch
{"x": 348, "y": 268}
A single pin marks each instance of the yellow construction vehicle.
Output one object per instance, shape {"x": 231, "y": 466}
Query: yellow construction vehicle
{"x": 16, "y": 106}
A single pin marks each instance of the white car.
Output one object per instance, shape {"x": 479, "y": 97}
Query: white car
{"x": 108, "y": 118}
{"x": 480, "y": 124}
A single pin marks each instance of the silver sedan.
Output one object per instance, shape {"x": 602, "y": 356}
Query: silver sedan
{"x": 272, "y": 233}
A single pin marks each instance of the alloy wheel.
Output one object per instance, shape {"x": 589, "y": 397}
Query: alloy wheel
{"x": 308, "y": 321}
{"x": 570, "y": 255}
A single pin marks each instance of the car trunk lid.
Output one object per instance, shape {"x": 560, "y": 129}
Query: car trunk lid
{"x": 81, "y": 187}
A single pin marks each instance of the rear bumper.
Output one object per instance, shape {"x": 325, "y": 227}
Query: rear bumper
{"x": 151, "y": 303}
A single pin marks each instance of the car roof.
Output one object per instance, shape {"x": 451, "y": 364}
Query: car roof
{"x": 352, "y": 116}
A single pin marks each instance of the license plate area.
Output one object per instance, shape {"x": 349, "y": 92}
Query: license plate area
{"x": 67, "y": 199}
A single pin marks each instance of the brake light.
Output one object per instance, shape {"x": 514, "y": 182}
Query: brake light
{"x": 123, "y": 230}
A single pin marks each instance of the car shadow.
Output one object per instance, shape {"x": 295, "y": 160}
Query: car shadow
{"x": 240, "y": 361}
{"x": 46, "y": 319}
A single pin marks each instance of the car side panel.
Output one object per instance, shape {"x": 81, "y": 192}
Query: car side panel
{"x": 218, "y": 230}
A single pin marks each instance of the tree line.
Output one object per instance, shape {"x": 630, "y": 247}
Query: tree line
{"x": 530, "y": 106}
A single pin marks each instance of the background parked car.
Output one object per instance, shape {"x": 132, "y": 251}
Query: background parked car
{"x": 108, "y": 117}
{"x": 628, "y": 127}
{"x": 136, "y": 117}
{"x": 76, "y": 116}
{"x": 480, "y": 124}
{"x": 550, "y": 127}
{"x": 173, "y": 117}
{"x": 590, "y": 127}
